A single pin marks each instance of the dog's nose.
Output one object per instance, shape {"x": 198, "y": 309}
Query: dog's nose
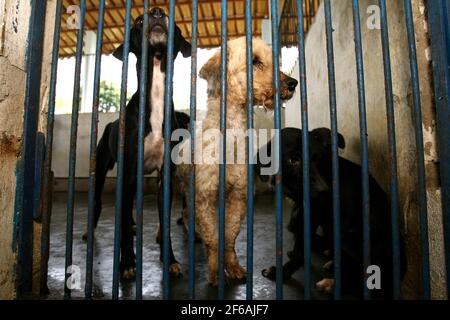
{"x": 292, "y": 84}
{"x": 157, "y": 12}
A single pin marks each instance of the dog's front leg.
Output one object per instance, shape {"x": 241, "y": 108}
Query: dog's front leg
{"x": 174, "y": 265}
{"x": 296, "y": 258}
{"x": 128, "y": 258}
{"x": 236, "y": 209}
{"x": 206, "y": 220}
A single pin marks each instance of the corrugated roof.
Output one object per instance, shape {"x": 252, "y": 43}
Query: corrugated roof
{"x": 208, "y": 25}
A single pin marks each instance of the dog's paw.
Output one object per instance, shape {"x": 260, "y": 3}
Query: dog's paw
{"x": 175, "y": 270}
{"x": 129, "y": 273}
{"x": 85, "y": 236}
{"x": 325, "y": 285}
{"x": 213, "y": 280}
{"x": 236, "y": 272}
{"x": 270, "y": 273}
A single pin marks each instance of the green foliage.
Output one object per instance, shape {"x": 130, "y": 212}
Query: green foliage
{"x": 109, "y": 97}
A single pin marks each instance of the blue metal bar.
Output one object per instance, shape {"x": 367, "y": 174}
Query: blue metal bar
{"x": 24, "y": 203}
{"x": 167, "y": 162}
{"x": 73, "y": 148}
{"x": 38, "y": 166}
{"x": 46, "y": 214}
{"x": 223, "y": 152}
{"x": 277, "y": 139}
{"x": 364, "y": 144}
{"x": 143, "y": 83}
{"x": 305, "y": 151}
{"x": 93, "y": 153}
{"x": 193, "y": 116}
{"x": 417, "y": 109}
{"x": 120, "y": 156}
{"x": 392, "y": 152}
{"x": 439, "y": 27}
{"x": 250, "y": 143}
{"x": 334, "y": 152}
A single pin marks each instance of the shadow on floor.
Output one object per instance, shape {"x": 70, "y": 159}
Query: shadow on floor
{"x": 264, "y": 254}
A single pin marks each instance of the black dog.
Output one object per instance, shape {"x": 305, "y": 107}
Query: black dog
{"x": 322, "y": 214}
{"x": 154, "y": 120}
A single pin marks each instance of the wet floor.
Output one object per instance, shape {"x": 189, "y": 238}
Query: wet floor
{"x": 264, "y": 254}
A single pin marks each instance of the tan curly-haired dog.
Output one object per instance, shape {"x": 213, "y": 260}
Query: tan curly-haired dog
{"x": 207, "y": 174}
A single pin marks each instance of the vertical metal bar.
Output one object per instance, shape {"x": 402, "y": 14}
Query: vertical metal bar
{"x": 334, "y": 152}
{"x": 93, "y": 147}
{"x": 73, "y": 148}
{"x": 24, "y": 203}
{"x": 223, "y": 124}
{"x": 38, "y": 165}
{"x": 364, "y": 143}
{"x": 392, "y": 151}
{"x": 193, "y": 116}
{"x": 120, "y": 156}
{"x": 250, "y": 143}
{"x": 46, "y": 214}
{"x": 439, "y": 27}
{"x": 277, "y": 126}
{"x": 417, "y": 110}
{"x": 305, "y": 152}
{"x": 143, "y": 91}
{"x": 167, "y": 162}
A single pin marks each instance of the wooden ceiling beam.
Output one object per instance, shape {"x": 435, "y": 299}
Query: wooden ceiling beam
{"x": 233, "y": 35}
{"x": 183, "y": 21}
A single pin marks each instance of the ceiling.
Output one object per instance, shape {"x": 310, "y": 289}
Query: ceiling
{"x": 208, "y": 25}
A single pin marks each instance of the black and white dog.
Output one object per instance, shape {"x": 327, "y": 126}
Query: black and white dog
{"x": 322, "y": 214}
{"x": 156, "y": 33}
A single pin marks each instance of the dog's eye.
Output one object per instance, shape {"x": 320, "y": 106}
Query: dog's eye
{"x": 258, "y": 63}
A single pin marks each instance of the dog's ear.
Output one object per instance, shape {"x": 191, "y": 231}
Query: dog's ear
{"x": 181, "y": 44}
{"x": 211, "y": 67}
{"x": 135, "y": 40}
{"x": 118, "y": 53}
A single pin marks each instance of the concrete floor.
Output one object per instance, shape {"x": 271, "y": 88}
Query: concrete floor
{"x": 264, "y": 254}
